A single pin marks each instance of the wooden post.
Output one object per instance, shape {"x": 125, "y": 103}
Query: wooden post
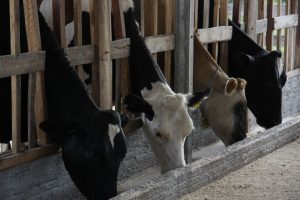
{"x": 251, "y": 18}
{"x": 261, "y": 15}
{"x": 269, "y": 42}
{"x": 293, "y": 37}
{"x": 151, "y": 19}
{"x": 102, "y": 86}
{"x": 122, "y": 70}
{"x": 142, "y": 17}
{"x": 15, "y": 80}
{"x": 216, "y": 19}
{"x": 279, "y": 5}
{"x": 287, "y": 63}
{"x": 224, "y": 45}
{"x": 297, "y": 59}
{"x": 184, "y": 54}
{"x": 58, "y": 7}
{"x": 236, "y": 11}
{"x": 34, "y": 44}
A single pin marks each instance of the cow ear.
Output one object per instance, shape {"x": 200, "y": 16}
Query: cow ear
{"x": 195, "y": 99}
{"x": 241, "y": 59}
{"x": 276, "y": 54}
{"x": 241, "y": 83}
{"x": 58, "y": 128}
{"x": 136, "y": 104}
{"x": 283, "y": 78}
{"x": 231, "y": 86}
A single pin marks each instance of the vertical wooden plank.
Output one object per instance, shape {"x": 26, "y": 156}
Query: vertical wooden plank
{"x": 251, "y": 18}
{"x": 142, "y": 17}
{"x": 279, "y": 5}
{"x": 122, "y": 68}
{"x": 58, "y": 7}
{"x": 15, "y": 80}
{"x": 34, "y": 44}
{"x": 287, "y": 39}
{"x": 102, "y": 37}
{"x": 293, "y": 37}
{"x": 261, "y": 15}
{"x": 216, "y": 18}
{"x": 269, "y": 39}
{"x": 224, "y": 45}
{"x": 206, "y": 13}
{"x": 168, "y": 25}
{"x": 184, "y": 54}
{"x": 297, "y": 59}
{"x": 236, "y": 11}
{"x": 151, "y": 13}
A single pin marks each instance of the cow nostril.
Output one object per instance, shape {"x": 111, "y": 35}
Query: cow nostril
{"x": 158, "y": 134}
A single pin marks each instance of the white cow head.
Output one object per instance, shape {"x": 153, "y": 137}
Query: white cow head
{"x": 166, "y": 121}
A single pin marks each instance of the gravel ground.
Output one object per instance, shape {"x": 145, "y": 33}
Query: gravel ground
{"x": 274, "y": 177}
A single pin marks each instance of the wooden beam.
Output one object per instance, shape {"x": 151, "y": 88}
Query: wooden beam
{"x": 120, "y": 48}
{"x": 14, "y": 8}
{"x": 215, "y": 34}
{"x": 22, "y": 63}
{"x": 261, "y": 16}
{"x": 297, "y": 59}
{"x": 216, "y": 20}
{"x": 59, "y": 21}
{"x": 183, "y": 81}
{"x": 103, "y": 16}
{"x": 34, "y": 44}
{"x": 12, "y": 160}
{"x": 283, "y": 22}
{"x": 269, "y": 39}
{"x": 251, "y": 18}
{"x": 224, "y": 45}
{"x": 236, "y": 11}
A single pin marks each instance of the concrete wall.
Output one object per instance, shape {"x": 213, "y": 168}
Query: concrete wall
{"x": 47, "y": 178}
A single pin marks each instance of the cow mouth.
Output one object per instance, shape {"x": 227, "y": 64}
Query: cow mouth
{"x": 269, "y": 124}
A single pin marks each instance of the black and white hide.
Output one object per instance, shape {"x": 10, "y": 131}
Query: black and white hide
{"x": 92, "y": 140}
{"x": 166, "y": 121}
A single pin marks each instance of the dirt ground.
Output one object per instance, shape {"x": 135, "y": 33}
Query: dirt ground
{"x": 273, "y": 177}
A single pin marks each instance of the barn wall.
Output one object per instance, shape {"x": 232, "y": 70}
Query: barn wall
{"x": 47, "y": 178}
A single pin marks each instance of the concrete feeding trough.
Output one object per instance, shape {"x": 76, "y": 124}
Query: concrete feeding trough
{"x": 208, "y": 167}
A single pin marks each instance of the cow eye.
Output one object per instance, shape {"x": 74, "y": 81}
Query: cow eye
{"x": 158, "y": 134}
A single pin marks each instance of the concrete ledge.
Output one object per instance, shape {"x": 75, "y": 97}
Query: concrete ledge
{"x": 184, "y": 180}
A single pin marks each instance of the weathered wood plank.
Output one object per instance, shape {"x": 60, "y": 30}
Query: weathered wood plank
{"x": 251, "y": 18}
{"x": 103, "y": 43}
{"x": 183, "y": 80}
{"x": 215, "y": 34}
{"x": 120, "y": 48}
{"x": 14, "y": 8}
{"x": 286, "y": 21}
{"x": 34, "y": 44}
{"x": 261, "y": 16}
{"x": 81, "y": 54}
{"x": 297, "y": 59}
{"x": 224, "y": 45}
{"x": 9, "y": 161}
{"x": 22, "y": 63}
{"x": 236, "y": 11}
{"x": 59, "y": 21}
{"x": 269, "y": 37}
{"x": 216, "y": 20}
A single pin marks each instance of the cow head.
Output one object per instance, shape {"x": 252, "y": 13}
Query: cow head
{"x": 166, "y": 121}
{"x": 92, "y": 150}
{"x": 265, "y": 77}
{"x": 226, "y": 113}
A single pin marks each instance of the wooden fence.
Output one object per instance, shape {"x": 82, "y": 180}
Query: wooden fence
{"x": 158, "y": 23}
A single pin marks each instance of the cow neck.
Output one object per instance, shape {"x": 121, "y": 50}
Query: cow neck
{"x": 67, "y": 96}
{"x": 241, "y": 42}
{"x": 144, "y": 69}
{"x": 207, "y": 73}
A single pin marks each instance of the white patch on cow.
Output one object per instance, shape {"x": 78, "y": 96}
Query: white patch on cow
{"x": 113, "y": 130}
{"x": 170, "y": 125}
{"x": 280, "y": 65}
{"x": 127, "y": 4}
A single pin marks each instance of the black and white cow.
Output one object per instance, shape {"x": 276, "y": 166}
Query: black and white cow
{"x": 264, "y": 74}
{"x": 166, "y": 121}
{"x": 92, "y": 140}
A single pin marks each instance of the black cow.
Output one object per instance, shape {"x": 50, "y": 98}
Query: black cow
{"x": 166, "y": 121}
{"x": 264, "y": 74}
{"x": 93, "y": 143}
{"x": 261, "y": 69}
